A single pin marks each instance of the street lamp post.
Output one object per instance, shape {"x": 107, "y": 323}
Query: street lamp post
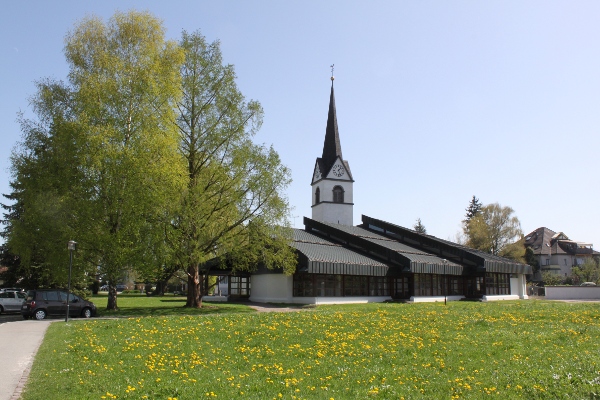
{"x": 72, "y": 245}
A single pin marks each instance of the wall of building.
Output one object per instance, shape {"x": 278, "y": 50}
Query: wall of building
{"x": 271, "y": 288}
{"x": 278, "y": 288}
{"x": 518, "y": 286}
{"x": 333, "y": 212}
{"x": 573, "y": 292}
{"x": 434, "y": 299}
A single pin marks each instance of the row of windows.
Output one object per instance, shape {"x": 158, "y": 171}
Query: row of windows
{"x": 438, "y": 285}
{"x": 576, "y": 261}
{"x": 309, "y": 285}
{"x": 338, "y": 195}
{"x": 320, "y": 285}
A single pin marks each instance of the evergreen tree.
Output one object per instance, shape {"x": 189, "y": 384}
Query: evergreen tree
{"x": 473, "y": 209}
{"x": 530, "y": 259}
{"x": 419, "y": 227}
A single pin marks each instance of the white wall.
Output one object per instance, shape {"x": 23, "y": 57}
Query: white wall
{"x": 573, "y": 292}
{"x": 334, "y": 213}
{"x": 271, "y": 288}
{"x": 434, "y": 299}
{"x": 341, "y": 213}
{"x": 518, "y": 286}
{"x": 500, "y": 297}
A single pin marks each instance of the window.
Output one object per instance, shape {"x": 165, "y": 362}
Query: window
{"x": 50, "y": 296}
{"x": 303, "y": 285}
{"x": 355, "y": 285}
{"x": 317, "y": 196}
{"x": 429, "y": 285}
{"x": 401, "y": 289}
{"x": 378, "y": 286}
{"x": 455, "y": 284}
{"x": 338, "y": 194}
{"x": 497, "y": 283}
{"x": 240, "y": 286}
{"x": 329, "y": 285}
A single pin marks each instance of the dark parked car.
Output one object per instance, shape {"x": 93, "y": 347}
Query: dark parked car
{"x": 11, "y": 301}
{"x": 43, "y": 302}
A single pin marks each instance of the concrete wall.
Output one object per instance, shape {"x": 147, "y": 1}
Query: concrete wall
{"x": 434, "y": 299}
{"x": 500, "y": 297}
{"x": 518, "y": 286}
{"x": 573, "y": 292}
{"x": 271, "y": 288}
{"x": 336, "y": 213}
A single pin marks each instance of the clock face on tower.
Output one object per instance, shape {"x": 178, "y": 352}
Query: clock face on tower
{"x": 338, "y": 170}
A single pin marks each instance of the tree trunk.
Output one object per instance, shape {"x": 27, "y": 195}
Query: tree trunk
{"x": 112, "y": 298}
{"x": 194, "y": 294}
{"x": 160, "y": 288}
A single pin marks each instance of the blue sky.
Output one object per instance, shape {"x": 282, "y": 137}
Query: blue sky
{"x": 436, "y": 100}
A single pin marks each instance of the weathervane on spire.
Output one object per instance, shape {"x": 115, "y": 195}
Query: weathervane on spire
{"x": 332, "y": 77}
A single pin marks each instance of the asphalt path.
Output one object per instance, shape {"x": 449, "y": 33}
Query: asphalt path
{"x": 19, "y": 341}
{"x": 10, "y": 317}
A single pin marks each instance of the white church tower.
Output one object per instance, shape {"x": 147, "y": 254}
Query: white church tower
{"x": 332, "y": 180}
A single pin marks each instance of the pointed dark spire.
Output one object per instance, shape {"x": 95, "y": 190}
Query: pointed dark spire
{"x": 331, "y": 148}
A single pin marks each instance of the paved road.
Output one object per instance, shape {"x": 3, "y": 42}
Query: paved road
{"x": 10, "y": 318}
{"x": 19, "y": 342}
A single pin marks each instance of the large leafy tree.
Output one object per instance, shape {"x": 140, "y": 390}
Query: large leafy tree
{"x": 233, "y": 206}
{"x": 100, "y": 163}
{"x": 494, "y": 229}
{"x": 39, "y": 222}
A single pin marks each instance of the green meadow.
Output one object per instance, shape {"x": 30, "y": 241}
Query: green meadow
{"x": 523, "y": 349}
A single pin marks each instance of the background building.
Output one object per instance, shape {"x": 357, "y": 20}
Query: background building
{"x": 556, "y": 253}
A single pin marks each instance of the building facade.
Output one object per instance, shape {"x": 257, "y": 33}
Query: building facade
{"x": 376, "y": 261}
{"x": 556, "y": 253}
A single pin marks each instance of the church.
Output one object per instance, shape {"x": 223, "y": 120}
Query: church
{"x": 374, "y": 261}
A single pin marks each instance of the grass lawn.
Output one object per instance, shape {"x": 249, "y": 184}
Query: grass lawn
{"x": 524, "y": 349}
{"x": 134, "y": 305}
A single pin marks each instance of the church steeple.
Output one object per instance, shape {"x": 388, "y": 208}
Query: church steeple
{"x": 332, "y": 180}
{"x": 331, "y": 147}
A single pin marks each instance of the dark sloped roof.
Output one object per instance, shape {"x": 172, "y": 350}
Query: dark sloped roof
{"x": 332, "y": 149}
{"x": 544, "y": 241}
{"x": 539, "y": 240}
{"x": 445, "y": 249}
{"x": 320, "y": 256}
{"x": 395, "y": 253}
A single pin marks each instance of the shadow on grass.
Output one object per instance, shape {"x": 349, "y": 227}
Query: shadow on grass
{"x": 173, "y": 307}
